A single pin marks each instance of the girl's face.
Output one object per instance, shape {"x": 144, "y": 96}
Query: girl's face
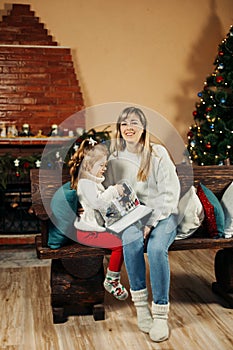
{"x": 131, "y": 129}
{"x": 99, "y": 167}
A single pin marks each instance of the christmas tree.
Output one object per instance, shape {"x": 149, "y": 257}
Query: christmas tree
{"x": 210, "y": 138}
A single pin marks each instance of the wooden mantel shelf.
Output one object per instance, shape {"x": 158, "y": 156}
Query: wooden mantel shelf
{"x": 24, "y": 141}
{"x": 25, "y": 146}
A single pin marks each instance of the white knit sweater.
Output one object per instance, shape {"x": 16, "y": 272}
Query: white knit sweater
{"x": 161, "y": 191}
{"x": 93, "y": 196}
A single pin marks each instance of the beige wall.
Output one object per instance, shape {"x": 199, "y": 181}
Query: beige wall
{"x": 154, "y": 53}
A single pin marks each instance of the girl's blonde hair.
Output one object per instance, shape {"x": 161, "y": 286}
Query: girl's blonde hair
{"x": 84, "y": 159}
{"x": 144, "y": 146}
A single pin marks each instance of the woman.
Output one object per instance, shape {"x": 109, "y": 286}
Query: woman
{"x": 151, "y": 172}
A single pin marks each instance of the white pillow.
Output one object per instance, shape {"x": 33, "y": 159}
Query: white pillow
{"x": 191, "y": 214}
{"x": 227, "y": 206}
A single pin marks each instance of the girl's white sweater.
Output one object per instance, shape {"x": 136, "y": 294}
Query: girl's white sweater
{"x": 92, "y": 197}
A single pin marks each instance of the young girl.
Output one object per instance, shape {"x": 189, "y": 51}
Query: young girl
{"x": 87, "y": 167}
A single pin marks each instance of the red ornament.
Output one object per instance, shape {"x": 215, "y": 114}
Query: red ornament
{"x": 219, "y": 79}
{"x": 208, "y": 109}
{"x": 79, "y": 140}
{"x": 194, "y": 113}
{"x": 208, "y": 145}
{"x": 17, "y": 174}
{"x": 221, "y": 53}
{"x": 190, "y": 134}
{"x": 26, "y": 165}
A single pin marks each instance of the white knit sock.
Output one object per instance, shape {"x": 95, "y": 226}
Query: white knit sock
{"x": 159, "y": 330}
{"x": 144, "y": 319}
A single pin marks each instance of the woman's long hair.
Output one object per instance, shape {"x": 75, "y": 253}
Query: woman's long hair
{"x": 144, "y": 146}
{"x": 84, "y": 159}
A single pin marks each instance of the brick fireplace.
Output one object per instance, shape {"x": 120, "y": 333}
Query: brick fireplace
{"x": 38, "y": 83}
{"x": 39, "y": 87}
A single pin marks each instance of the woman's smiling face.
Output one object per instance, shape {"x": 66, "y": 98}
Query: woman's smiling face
{"x": 131, "y": 129}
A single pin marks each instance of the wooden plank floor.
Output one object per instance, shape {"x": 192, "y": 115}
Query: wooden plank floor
{"x": 197, "y": 320}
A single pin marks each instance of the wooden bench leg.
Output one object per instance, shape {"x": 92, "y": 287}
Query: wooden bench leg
{"x": 224, "y": 275}
{"x": 98, "y": 312}
{"x": 77, "y": 289}
{"x": 59, "y": 315}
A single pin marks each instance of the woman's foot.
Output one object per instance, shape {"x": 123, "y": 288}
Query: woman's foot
{"x": 144, "y": 318}
{"x": 159, "y": 330}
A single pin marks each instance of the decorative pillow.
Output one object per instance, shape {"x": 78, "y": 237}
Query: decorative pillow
{"x": 214, "y": 215}
{"x": 227, "y": 206}
{"x": 191, "y": 214}
{"x": 64, "y": 208}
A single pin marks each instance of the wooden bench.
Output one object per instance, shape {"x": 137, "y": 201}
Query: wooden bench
{"x": 77, "y": 271}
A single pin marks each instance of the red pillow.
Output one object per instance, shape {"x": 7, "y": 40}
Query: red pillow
{"x": 209, "y": 220}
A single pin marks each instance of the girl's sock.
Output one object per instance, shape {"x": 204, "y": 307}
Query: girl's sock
{"x": 112, "y": 285}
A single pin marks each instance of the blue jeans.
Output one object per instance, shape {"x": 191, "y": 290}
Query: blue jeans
{"x": 161, "y": 237}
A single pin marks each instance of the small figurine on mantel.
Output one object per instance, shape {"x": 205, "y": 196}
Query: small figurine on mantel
{"x": 12, "y": 130}
{"x": 2, "y": 129}
{"x": 40, "y": 134}
{"x": 54, "y": 130}
{"x": 26, "y": 131}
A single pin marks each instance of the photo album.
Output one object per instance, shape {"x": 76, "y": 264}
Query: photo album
{"x": 124, "y": 211}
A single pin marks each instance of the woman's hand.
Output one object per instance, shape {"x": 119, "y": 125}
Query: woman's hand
{"x": 147, "y": 230}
